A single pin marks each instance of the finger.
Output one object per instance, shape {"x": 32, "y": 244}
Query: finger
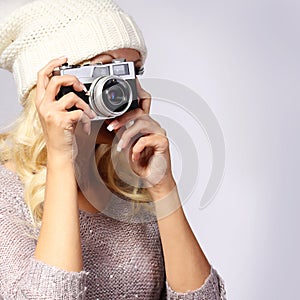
{"x": 144, "y": 126}
{"x": 71, "y": 99}
{"x": 86, "y": 123}
{"x": 72, "y": 118}
{"x": 56, "y": 82}
{"x": 124, "y": 119}
{"x": 156, "y": 141}
{"x": 66, "y": 120}
{"x": 44, "y": 75}
{"x": 144, "y": 98}
{"x": 139, "y": 147}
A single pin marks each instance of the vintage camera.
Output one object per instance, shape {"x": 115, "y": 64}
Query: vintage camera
{"x": 111, "y": 87}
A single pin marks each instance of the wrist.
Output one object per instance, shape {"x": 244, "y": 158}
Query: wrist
{"x": 166, "y": 201}
{"x": 59, "y": 159}
{"x": 162, "y": 189}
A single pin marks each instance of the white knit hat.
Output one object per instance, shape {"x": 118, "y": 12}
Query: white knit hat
{"x": 39, "y": 31}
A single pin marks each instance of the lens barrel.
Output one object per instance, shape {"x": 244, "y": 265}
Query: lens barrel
{"x": 110, "y": 96}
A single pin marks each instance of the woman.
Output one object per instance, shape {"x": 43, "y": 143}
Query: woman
{"x": 53, "y": 243}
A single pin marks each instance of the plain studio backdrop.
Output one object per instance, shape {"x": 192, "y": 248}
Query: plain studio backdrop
{"x": 242, "y": 57}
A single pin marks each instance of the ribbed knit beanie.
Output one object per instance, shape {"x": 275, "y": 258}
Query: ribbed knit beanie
{"x": 35, "y": 33}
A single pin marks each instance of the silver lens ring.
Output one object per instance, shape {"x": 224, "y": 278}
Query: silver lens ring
{"x": 97, "y": 102}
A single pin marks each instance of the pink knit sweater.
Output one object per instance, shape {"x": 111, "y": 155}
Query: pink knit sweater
{"x": 122, "y": 260}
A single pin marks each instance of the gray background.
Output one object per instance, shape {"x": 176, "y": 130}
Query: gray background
{"x": 242, "y": 58}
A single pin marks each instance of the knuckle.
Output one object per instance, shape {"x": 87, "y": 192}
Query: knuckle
{"x": 138, "y": 145}
{"x": 165, "y": 142}
{"x": 55, "y": 80}
{"x": 49, "y": 116}
{"x": 143, "y": 140}
{"x": 163, "y": 131}
{"x": 139, "y": 112}
{"x": 74, "y": 118}
{"x": 70, "y": 96}
{"x": 156, "y": 124}
{"x": 153, "y": 124}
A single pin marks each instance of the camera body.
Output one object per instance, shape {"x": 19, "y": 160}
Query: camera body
{"x": 111, "y": 87}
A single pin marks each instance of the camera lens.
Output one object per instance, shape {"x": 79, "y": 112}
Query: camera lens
{"x": 110, "y": 96}
{"x": 115, "y": 95}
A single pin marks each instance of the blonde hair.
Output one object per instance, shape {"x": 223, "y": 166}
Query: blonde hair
{"x": 25, "y": 146}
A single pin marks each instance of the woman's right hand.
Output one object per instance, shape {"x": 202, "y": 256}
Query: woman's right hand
{"x": 59, "y": 242}
{"x": 57, "y": 122}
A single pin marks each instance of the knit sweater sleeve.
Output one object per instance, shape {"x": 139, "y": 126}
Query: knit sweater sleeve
{"x": 212, "y": 289}
{"x": 21, "y": 275}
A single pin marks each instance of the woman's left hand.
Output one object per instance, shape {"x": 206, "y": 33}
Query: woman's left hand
{"x": 146, "y": 144}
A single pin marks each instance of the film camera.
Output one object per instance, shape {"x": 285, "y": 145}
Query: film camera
{"x": 111, "y": 87}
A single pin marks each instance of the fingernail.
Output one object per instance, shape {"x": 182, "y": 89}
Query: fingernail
{"x": 62, "y": 57}
{"x": 112, "y": 125}
{"x": 129, "y": 124}
{"x": 83, "y": 87}
{"x": 120, "y": 145}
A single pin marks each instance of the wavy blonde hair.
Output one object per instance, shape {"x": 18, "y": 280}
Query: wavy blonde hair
{"x": 25, "y": 146}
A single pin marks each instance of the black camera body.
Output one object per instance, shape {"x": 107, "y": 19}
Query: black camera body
{"x": 111, "y": 87}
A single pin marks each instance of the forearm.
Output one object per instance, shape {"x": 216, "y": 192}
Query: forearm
{"x": 185, "y": 263}
{"x": 59, "y": 241}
